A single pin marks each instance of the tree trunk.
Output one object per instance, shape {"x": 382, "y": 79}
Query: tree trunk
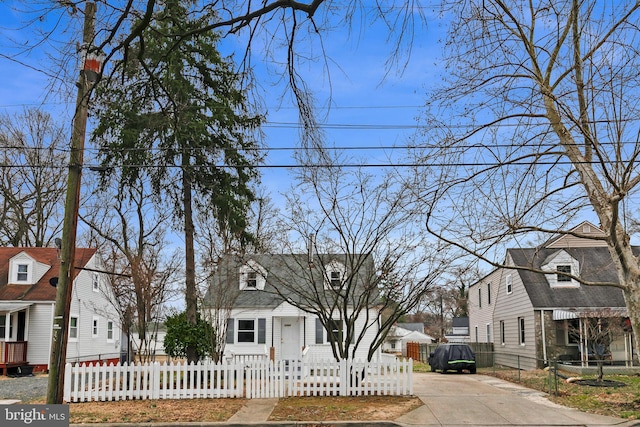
{"x": 190, "y": 274}
{"x": 632, "y": 300}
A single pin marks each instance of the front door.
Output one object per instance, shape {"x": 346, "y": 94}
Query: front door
{"x": 290, "y": 348}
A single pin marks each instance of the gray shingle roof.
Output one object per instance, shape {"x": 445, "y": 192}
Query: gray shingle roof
{"x": 596, "y": 265}
{"x": 281, "y": 269}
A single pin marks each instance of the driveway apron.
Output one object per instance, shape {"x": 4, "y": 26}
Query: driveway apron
{"x": 458, "y": 400}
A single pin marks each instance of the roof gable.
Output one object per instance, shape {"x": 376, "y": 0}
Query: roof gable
{"x": 584, "y": 234}
{"x": 41, "y": 290}
{"x": 596, "y": 265}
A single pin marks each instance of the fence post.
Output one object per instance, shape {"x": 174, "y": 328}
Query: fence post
{"x": 555, "y": 375}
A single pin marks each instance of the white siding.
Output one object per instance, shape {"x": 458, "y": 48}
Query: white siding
{"x": 307, "y": 332}
{"x": 40, "y": 328}
{"x": 87, "y": 304}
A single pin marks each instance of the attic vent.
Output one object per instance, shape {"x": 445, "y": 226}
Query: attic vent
{"x": 586, "y": 228}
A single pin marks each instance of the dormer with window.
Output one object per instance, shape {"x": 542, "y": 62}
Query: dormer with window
{"x": 21, "y": 270}
{"x": 561, "y": 266}
{"x": 252, "y": 276}
{"x": 335, "y": 275}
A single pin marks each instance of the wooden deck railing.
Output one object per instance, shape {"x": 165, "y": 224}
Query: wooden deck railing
{"x": 13, "y": 352}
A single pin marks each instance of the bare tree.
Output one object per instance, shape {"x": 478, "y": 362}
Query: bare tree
{"x": 214, "y": 242}
{"x": 32, "y": 182}
{"x": 541, "y": 129}
{"x": 362, "y": 222}
{"x": 131, "y": 232}
{"x": 595, "y": 331}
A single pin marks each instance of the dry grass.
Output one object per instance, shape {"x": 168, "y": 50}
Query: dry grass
{"x": 369, "y": 408}
{"x": 621, "y": 402}
{"x": 148, "y": 411}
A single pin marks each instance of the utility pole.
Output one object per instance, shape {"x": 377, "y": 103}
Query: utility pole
{"x": 60, "y": 333}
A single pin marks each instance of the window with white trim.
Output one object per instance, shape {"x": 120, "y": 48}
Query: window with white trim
{"x": 4, "y": 318}
{"x": 502, "y": 338}
{"x": 489, "y": 293}
{"x": 521, "y": 330}
{"x": 337, "y": 330}
{"x": 94, "y": 327}
{"x": 334, "y": 275}
{"x": 479, "y": 296}
{"x": 21, "y": 272}
{"x": 252, "y": 276}
{"x": 73, "y": 328}
{"x": 558, "y": 269}
{"x": 562, "y": 271}
{"x": 488, "y": 332}
{"x": 246, "y": 331}
{"x": 110, "y": 331}
{"x": 95, "y": 282}
{"x": 508, "y": 284}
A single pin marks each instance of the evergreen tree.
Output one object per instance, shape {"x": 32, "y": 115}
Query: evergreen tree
{"x": 178, "y": 115}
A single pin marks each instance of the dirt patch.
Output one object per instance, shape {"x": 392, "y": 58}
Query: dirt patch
{"x": 148, "y": 411}
{"x": 370, "y": 408}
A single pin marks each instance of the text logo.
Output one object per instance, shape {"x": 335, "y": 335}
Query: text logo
{"x": 34, "y": 415}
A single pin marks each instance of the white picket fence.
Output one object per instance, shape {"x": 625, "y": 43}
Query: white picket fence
{"x": 251, "y": 379}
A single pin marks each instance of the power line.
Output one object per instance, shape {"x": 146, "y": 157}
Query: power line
{"x": 328, "y": 148}
{"x": 98, "y": 168}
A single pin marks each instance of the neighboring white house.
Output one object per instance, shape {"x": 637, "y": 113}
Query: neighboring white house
{"x": 261, "y": 321}
{"x": 153, "y": 349}
{"x": 534, "y": 317}
{"x": 398, "y": 337}
{"x": 27, "y": 302}
{"x": 459, "y": 330}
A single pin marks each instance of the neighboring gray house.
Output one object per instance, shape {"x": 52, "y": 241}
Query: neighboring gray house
{"x": 536, "y": 317}
{"x": 262, "y": 323}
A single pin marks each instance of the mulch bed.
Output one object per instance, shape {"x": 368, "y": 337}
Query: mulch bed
{"x": 601, "y": 383}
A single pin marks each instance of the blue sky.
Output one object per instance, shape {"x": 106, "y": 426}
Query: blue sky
{"x": 371, "y": 105}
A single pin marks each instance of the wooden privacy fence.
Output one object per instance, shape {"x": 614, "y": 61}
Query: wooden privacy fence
{"x": 253, "y": 379}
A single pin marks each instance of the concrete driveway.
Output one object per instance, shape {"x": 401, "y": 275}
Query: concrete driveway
{"x": 463, "y": 399}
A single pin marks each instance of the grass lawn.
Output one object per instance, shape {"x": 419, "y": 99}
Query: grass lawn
{"x": 621, "y": 402}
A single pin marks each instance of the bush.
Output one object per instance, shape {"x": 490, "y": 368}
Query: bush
{"x": 182, "y": 334}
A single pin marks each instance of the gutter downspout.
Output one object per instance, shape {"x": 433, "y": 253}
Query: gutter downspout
{"x": 544, "y": 337}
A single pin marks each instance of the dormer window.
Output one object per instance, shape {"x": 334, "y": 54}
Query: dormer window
{"x": 23, "y": 273}
{"x": 252, "y": 279}
{"x": 335, "y": 279}
{"x": 563, "y": 270}
{"x": 252, "y": 276}
{"x": 560, "y": 266}
{"x": 335, "y": 275}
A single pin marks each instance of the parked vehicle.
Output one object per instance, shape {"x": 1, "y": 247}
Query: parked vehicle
{"x": 453, "y": 357}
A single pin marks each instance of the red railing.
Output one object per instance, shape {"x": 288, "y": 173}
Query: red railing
{"x": 13, "y": 352}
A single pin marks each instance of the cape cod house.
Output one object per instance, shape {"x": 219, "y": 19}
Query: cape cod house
{"x": 534, "y": 317}
{"x": 262, "y": 323}
{"x": 27, "y": 301}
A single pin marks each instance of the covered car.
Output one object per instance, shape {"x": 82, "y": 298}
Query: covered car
{"x": 453, "y": 357}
